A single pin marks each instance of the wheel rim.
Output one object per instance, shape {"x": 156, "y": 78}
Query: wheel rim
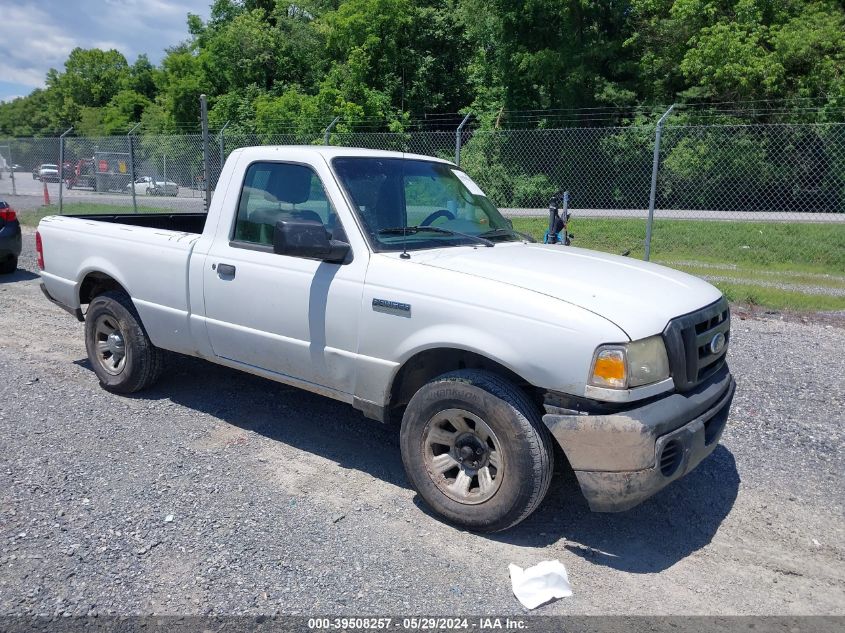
{"x": 463, "y": 456}
{"x": 110, "y": 344}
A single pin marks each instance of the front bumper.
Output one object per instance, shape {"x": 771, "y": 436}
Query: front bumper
{"x": 623, "y": 457}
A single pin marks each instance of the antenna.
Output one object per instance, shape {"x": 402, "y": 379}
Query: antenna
{"x": 405, "y": 254}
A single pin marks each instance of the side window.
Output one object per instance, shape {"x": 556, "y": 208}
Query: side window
{"x": 279, "y": 191}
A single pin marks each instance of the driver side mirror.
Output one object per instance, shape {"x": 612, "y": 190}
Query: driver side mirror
{"x": 308, "y": 239}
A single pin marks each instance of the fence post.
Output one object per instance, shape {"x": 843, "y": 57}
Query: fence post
{"x": 655, "y": 161}
{"x": 222, "y": 149}
{"x": 458, "y": 139}
{"x": 12, "y": 171}
{"x": 206, "y": 172}
{"x": 328, "y": 131}
{"x": 62, "y": 166}
{"x": 132, "y": 165}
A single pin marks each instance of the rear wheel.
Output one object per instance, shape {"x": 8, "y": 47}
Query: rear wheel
{"x": 9, "y": 265}
{"x": 119, "y": 350}
{"x": 476, "y": 450}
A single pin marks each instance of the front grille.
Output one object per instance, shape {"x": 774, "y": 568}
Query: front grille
{"x": 690, "y": 344}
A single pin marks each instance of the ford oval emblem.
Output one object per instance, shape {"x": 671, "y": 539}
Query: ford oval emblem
{"x": 717, "y": 343}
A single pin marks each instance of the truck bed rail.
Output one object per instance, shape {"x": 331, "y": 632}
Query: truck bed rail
{"x": 186, "y": 222}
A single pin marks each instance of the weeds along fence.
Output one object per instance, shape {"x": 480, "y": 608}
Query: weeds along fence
{"x": 708, "y": 176}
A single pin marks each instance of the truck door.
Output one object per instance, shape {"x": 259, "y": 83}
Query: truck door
{"x": 291, "y": 316}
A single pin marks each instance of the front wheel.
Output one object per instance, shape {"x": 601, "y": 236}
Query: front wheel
{"x": 119, "y": 350}
{"x": 476, "y": 450}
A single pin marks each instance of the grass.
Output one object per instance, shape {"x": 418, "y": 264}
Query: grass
{"x": 738, "y": 274}
{"x": 32, "y": 218}
{"x": 778, "y": 299}
{"x": 745, "y": 256}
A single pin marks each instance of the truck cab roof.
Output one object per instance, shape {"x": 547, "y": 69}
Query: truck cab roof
{"x": 329, "y": 152}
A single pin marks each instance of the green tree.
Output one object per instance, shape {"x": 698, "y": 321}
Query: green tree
{"x": 546, "y": 53}
{"x": 142, "y": 76}
{"x": 26, "y": 116}
{"x": 91, "y": 76}
{"x": 180, "y": 85}
{"x": 737, "y": 50}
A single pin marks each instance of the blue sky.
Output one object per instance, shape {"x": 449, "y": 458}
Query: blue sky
{"x": 37, "y": 36}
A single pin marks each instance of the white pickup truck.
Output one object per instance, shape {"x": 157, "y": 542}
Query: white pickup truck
{"x": 389, "y": 281}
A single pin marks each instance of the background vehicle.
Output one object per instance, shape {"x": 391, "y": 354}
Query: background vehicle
{"x": 150, "y": 187}
{"x": 10, "y": 238}
{"x": 389, "y": 281}
{"x": 83, "y": 174}
{"x": 105, "y": 171}
{"x": 48, "y": 172}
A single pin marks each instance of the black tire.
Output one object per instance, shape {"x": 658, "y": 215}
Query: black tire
{"x": 523, "y": 439}
{"x": 9, "y": 265}
{"x": 144, "y": 362}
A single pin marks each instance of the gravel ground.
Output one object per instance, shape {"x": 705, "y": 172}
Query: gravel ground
{"x": 219, "y": 492}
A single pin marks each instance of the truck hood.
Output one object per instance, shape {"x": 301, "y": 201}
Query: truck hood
{"x": 637, "y": 296}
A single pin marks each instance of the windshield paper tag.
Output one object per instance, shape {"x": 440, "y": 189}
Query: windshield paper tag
{"x": 468, "y": 183}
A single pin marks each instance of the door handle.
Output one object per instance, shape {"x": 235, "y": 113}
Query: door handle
{"x": 225, "y": 270}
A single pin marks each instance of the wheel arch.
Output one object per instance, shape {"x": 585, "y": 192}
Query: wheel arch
{"x": 427, "y": 364}
{"x": 95, "y": 283}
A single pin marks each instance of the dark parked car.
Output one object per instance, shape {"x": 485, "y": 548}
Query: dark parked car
{"x": 10, "y": 239}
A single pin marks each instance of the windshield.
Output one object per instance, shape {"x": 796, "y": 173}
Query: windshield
{"x": 416, "y": 204}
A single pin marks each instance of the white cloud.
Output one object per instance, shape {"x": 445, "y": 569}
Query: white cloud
{"x": 30, "y": 45}
{"x": 37, "y": 38}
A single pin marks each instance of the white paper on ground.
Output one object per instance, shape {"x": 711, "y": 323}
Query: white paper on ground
{"x": 540, "y": 583}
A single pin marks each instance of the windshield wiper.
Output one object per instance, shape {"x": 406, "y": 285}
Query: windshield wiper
{"x": 410, "y": 230}
{"x": 502, "y": 232}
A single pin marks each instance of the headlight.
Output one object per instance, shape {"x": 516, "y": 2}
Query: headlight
{"x": 632, "y": 365}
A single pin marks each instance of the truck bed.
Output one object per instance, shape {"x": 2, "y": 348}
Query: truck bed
{"x": 148, "y": 253}
{"x": 184, "y": 222}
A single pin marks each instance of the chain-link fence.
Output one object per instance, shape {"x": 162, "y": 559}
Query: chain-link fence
{"x": 100, "y": 173}
{"x": 756, "y": 195}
